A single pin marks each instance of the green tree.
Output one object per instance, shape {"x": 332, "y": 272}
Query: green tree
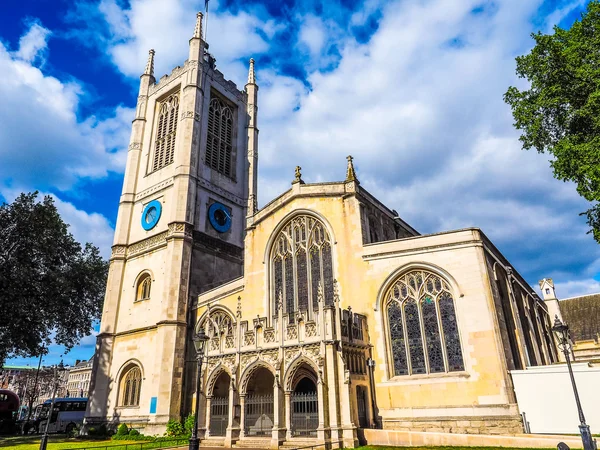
{"x": 50, "y": 286}
{"x": 560, "y": 112}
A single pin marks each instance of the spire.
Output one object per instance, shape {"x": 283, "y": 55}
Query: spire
{"x": 251, "y": 76}
{"x": 198, "y": 28}
{"x": 150, "y": 64}
{"x": 350, "y": 173}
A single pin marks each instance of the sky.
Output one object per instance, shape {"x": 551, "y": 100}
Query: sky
{"x": 411, "y": 88}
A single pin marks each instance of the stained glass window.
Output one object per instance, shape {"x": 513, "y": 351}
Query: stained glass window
{"x": 415, "y": 342}
{"x": 451, "y": 337}
{"x": 315, "y": 274}
{"x": 397, "y": 339}
{"x": 418, "y": 304}
{"x": 303, "y": 246}
{"x": 289, "y": 285}
{"x": 302, "y": 280}
{"x": 327, "y": 274}
{"x": 435, "y": 355}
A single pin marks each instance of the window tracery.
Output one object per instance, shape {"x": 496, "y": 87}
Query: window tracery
{"x": 218, "y": 324}
{"x": 421, "y": 319}
{"x": 301, "y": 259}
{"x": 219, "y": 143}
{"x": 143, "y": 288}
{"x": 131, "y": 386}
{"x": 164, "y": 145}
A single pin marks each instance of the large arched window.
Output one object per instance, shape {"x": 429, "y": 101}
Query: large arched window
{"x": 143, "y": 287}
{"x": 219, "y": 327}
{"x": 164, "y": 146}
{"x": 219, "y": 142}
{"x": 131, "y": 385}
{"x": 301, "y": 261}
{"x": 423, "y": 332}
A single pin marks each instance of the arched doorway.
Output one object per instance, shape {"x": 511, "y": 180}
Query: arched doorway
{"x": 219, "y": 406}
{"x": 304, "y": 404}
{"x": 258, "y": 417}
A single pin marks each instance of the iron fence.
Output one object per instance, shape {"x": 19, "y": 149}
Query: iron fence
{"x": 305, "y": 414}
{"x": 142, "y": 445}
{"x": 259, "y": 415}
{"x": 219, "y": 415}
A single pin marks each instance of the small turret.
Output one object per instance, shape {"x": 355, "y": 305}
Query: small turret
{"x": 150, "y": 64}
{"x": 350, "y": 173}
{"x": 196, "y": 43}
{"x": 252, "y": 91}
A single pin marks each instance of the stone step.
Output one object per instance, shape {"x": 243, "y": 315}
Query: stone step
{"x": 213, "y": 442}
{"x": 253, "y": 443}
{"x": 299, "y": 443}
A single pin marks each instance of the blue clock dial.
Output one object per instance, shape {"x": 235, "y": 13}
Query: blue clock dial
{"x": 219, "y": 217}
{"x": 151, "y": 215}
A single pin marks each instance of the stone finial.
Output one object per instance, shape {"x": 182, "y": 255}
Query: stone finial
{"x": 150, "y": 64}
{"x": 350, "y": 173}
{"x": 298, "y": 176}
{"x": 251, "y": 75}
{"x": 198, "y": 28}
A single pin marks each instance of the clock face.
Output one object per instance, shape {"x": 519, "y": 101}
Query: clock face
{"x": 219, "y": 217}
{"x": 151, "y": 215}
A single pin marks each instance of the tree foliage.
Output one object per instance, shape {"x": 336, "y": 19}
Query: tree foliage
{"x": 560, "y": 112}
{"x": 51, "y": 288}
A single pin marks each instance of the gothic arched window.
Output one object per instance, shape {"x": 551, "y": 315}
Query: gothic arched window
{"x": 164, "y": 146}
{"x": 421, "y": 319}
{"x": 219, "y": 142}
{"x": 301, "y": 263}
{"x": 143, "y": 287}
{"x": 219, "y": 327}
{"x": 131, "y": 385}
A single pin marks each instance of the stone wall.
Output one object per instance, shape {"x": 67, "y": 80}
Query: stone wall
{"x": 464, "y": 425}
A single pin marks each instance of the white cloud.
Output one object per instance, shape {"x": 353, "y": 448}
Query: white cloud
{"x": 576, "y": 288}
{"x": 33, "y": 43}
{"x": 42, "y": 142}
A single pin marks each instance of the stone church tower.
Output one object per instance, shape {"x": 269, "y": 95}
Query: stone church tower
{"x": 189, "y": 183}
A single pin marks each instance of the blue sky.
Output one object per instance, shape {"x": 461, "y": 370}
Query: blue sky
{"x": 412, "y": 89}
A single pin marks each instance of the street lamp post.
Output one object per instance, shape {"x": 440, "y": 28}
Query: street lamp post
{"x": 561, "y": 330}
{"x": 199, "y": 341}
{"x": 44, "y": 441}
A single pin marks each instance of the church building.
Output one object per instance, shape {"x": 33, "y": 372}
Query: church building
{"x": 326, "y": 311}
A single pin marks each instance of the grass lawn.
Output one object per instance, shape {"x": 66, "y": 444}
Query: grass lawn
{"x": 54, "y": 443}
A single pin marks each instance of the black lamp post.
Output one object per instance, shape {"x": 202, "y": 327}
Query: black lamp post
{"x": 44, "y": 441}
{"x": 199, "y": 341}
{"x": 561, "y": 330}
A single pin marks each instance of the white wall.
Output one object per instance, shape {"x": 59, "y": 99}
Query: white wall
{"x": 546, "y": 397}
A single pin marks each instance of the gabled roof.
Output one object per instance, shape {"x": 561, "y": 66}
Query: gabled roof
{"x": 582, "y": 314}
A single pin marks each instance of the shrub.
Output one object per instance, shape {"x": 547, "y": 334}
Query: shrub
{"x": 174, "y": 428}
{"x": 99, "y": 431}
{"x": 188, "y": 424}
{"x": 122, "y": 430}
{"x": 134, "y": 432}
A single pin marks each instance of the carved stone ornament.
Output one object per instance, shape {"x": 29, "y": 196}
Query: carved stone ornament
{"x": 180, "y": 227}
{"x": 238, "y": 312}
{"x": 312, "y": 352}
{"x": 147, "y": 244}
{"x": 118, "y": 250}
{"x": 190, "y": 115}
{"x": 135, "y": 146}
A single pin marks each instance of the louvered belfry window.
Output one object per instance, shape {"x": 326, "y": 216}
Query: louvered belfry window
{"x": 164, "y": 147}
{"x": 219, "y": 142}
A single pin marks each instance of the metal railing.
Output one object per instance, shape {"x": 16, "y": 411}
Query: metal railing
{"x": 142, "y": 445}
{"x": 323, "y": 445}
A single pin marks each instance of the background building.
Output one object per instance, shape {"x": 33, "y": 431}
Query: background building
{"x": 78, "y": 381}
